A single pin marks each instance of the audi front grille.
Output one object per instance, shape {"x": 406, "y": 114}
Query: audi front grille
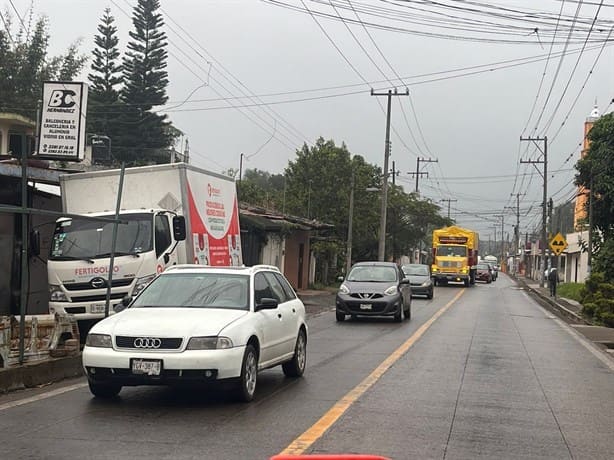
{"x": 142, "y": 343}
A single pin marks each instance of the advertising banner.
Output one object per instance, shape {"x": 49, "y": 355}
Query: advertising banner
{"x": 214, "y": 221}
{"x": 62, "y": 122}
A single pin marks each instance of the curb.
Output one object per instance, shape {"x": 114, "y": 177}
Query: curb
{"x": 553, "y": 304}
{"x": 36, "y": 374}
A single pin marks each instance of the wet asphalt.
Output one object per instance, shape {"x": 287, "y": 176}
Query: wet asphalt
{"x": 494, "y": 376}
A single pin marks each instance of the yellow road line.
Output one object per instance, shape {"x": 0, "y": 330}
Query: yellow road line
{"x": 305, "y": 440}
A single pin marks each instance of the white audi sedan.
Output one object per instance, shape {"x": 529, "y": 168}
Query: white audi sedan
{"x": 197, "y": 324}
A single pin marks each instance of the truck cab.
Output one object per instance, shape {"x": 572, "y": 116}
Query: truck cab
{"x": 147, "y": 241}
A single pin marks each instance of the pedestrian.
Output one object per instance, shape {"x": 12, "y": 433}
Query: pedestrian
{"x": 553, "y": 280}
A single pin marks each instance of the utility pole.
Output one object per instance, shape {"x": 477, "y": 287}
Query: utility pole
{"x": 417, "y": 174}
{"x": 589, "y": 251}
{"x": 381, "y": 250}
{"x": 348, "y": 252}
{"x": 544, "y": 161}
{"x": 240, "y": 167}
{"x": 449, "y": 200}
{"x": 516, "y": 229}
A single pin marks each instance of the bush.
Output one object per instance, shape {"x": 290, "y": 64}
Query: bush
{"x": 571, "y": 291}
{"x": 588, "y": 310}
{"x": 597, "y": 298}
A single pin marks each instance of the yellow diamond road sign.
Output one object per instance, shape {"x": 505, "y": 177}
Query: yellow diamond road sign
{"x": 558, "y": 244}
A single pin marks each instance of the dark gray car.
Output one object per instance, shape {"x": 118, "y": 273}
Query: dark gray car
{"x": 374, "y": 289}
{"x": 420, "y": 279}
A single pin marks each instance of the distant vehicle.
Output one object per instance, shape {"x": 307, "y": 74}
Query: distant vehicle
{"x": 196, "y": 325}
{"x": 455, "y": 253}
{"x": 374, "y": 289}
{"x": 420, "y": 279}
{"x": 483, "y": 273}
{"x": 494, "y": 271}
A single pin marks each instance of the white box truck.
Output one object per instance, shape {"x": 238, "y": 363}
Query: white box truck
{"x": 160, "y": 204}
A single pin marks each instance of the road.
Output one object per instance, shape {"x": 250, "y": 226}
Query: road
{"x": 482, "y": 372}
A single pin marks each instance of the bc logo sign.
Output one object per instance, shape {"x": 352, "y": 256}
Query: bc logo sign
{"x": 62, "y": 98}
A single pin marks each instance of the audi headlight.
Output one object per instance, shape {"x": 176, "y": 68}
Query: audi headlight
{"x": 343, "y": 289}
{"x": 98, "y": 340}
{"x": 209, "y": 343}
{"x": 141, "y": 283}
{"x": 392, "y": 290}
{"x": 56, "y": 294}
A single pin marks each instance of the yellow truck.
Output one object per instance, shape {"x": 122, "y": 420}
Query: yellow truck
{"x": 455, "y": 255}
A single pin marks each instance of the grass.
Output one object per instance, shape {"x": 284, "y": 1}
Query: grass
{"x": 570, "y": 290}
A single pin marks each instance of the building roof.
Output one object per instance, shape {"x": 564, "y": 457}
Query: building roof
{"x": 275, "y": 221}
{"x": 17, "y": 119}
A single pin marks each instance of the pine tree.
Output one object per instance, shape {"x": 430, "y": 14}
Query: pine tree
{"x": 146, "y": 135}
{"x": 104, "y": 103}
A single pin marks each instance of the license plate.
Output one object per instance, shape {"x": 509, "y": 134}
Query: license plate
{"x": 146, "y": 366}
{"x": 366, "y": 306}
{"x": 97, "y": 308}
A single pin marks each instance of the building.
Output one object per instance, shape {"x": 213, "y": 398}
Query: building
{"x": 16, "y": 135}
{"x": 582, "y": 195}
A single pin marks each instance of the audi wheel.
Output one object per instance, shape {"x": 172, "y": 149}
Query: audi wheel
{"x": 296, "y": 366}
{"x": 249, "y": 375}
{"x": 104, "y": 390}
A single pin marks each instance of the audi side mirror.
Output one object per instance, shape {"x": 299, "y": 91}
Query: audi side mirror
{"x": 125, "y": 303}
{"x": 267, "y": 303}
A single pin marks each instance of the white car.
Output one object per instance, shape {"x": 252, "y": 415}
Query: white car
{"x": 198, "y": 324}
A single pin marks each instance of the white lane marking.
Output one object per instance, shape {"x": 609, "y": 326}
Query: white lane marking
{"x": 590, "y": 346}
{"x": 39, "y": 397}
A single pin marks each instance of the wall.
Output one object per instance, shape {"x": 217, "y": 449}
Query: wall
{"x": 292, "y": 262}
{"x": 273, "y": 252}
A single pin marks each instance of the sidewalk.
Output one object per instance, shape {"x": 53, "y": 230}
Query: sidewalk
{"x": 571, "y": 312}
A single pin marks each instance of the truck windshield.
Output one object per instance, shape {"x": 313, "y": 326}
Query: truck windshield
{"x": 451, "y": 251}
{"x": 75, "y": 239}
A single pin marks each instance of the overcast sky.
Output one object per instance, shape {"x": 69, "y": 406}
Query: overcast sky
{"x": 470, "y": 124}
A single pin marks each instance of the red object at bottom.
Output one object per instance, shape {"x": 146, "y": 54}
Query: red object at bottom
{"x": 329, "y": 457}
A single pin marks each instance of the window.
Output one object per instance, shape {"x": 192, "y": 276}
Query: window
{"x": 278, "y": 291}
{"x": 261, "y": 288}
{"x": 290, "y": 294}
{"x": 162, "y": 234}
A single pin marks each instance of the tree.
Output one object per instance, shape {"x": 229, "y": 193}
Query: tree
{"x": 145, "y": 135}
{"x": 25, "y": 64}
{"x": 104, "y": 104}
{"x": 596, "y": 173}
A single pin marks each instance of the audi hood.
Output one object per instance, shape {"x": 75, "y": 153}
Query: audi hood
{"x": 168, "y": 322}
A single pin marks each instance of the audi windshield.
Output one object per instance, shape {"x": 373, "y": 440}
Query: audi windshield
{"x": 196, "y": 290}
{"x": 79, "y": 239}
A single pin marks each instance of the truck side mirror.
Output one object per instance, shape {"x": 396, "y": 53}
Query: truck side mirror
{"x": 35, "y": 243}
{"x": 179, "y": 232}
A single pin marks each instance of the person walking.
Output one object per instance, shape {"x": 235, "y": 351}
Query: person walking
{"x": 553, "y": 280}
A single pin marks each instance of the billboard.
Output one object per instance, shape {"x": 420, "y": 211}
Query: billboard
{"x": 62, "y": 121}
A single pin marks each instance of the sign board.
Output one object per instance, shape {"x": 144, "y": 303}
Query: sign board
{"x": 558, "y": 244}
{"x": 62, "y": 121}
{"x": 101, "y": 149}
